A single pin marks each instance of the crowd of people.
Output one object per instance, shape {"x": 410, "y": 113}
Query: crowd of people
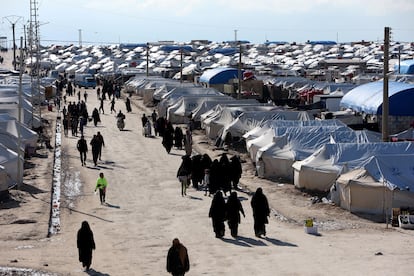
{"x": 217, "y": 178}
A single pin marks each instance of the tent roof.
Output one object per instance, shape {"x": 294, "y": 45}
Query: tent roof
{"x": 395, "y": 171}
{"x": 368, "y": 98}
{"x": 219, "y": 75}
{"x": 406, "y": 67}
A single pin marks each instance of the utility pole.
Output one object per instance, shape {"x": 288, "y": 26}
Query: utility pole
{"x": 235, "y": 36}
{"x": 385, "y": 100}
{"x": 80, "y": 38}
{"x": 239, "y": 87}
{"x": 181, "y": 63}
{"x": 147, "y": 67}
{"x": 13, "y": 20}
{"x": 19, "y": 110}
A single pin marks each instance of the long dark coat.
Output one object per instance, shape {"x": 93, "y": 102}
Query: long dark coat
{"x": 217, "y": 214}
{"x": 178, "y": 138}
{"x": 233, "y": 209}
{"x": 235, "y": 171}
{"x": 225, "y": 181}
{"x": 177, "y": 259}
{"x": 85, "y": 244}
{"x": 261, "y": 210}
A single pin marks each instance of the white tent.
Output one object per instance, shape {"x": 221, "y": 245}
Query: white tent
{"x": 384, "y": 182}
{"x": 320, "y": 170}
{"x": 172, "y": 96}
{"x": 224, "y": 115}
{"x": 248, "y": 120}
{"x": 211, "y": 104}
{"x": 8, "y": 160}
{"x": 178, "y": 113}
{"x": 3, "y": 179}
{"x": 279, "y": 127}
{"x": 11, "y": 126}
{"x": 299, "y": 143}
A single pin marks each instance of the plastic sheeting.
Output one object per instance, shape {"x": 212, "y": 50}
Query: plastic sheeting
{"x": 368, "y": 98}
{"x": 320, "y": 170}
{"x": 385, "y": 182}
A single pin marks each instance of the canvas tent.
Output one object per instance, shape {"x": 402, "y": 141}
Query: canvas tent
{"x": 384, "y": 182}
{"x": 405, "y": 67}
{"x": 210, "y": 104}
{"x": 367, "y": 98}
{"x": 172, "y": 96}
{"x": 225, "y": 115}
{"x": 299, "y": 143}
{"x": 9, "y": 161}
{"x": 320, "y": 170}
{"x": 219, "y": 75}
{"x": 251, "y": 119}
{"x": 11, "y": 126}
{"x": 178, "y": 112}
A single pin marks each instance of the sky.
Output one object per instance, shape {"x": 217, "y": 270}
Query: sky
{"x": 141, "y": 21}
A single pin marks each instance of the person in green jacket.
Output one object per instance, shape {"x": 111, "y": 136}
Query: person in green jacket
{"x": 101, "y": 184}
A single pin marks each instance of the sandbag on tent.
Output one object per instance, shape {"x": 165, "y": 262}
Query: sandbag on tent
{"x": 299, "y": 143}
{"x": 320, "y": 170}
{"x": 384, "y": 182}
{"x": 179, "y": 112}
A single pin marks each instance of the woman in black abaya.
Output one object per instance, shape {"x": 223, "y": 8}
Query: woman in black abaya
{"x": 86, "y": 244}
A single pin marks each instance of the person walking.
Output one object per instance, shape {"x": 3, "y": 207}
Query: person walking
{"x": 95, "y": 116}
{"x": 168, "y": 137}
{"x": 65, "y": 125}
{"x": 178, "y": 138}
{"x": 113, "y": 105}
{"x": 178, "y": 262}
{"x": 101, "y": 184}
{"x": 101, "y": 106}
{"x": 235, "y": 171}
{"x": 101, "y": 143}
{"x": 217, "y": 214}
{"x": 188, "y": 142}
{"x": 128, "y": 105}
{"x": 95, "y": 149}
{"x": 82, "y": 147}
{"x": 85, "y": 244}
{"x": 233, "y": 210}
{"x": 206, "y": 182}
{"x": 184, "y": 174}
{"x": 261, "y": 211}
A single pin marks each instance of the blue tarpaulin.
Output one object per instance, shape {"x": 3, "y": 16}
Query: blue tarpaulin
{"x": 219, "y": 75}
{"x": 170, "y": 48}
{"x": 368, "y": 98}
{"x": 223, "y": 51}
{"x": 406, "y": 67}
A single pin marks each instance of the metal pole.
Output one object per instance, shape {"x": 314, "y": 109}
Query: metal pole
{"x": 181, "y": 64}
{"x": 14, "y": 47}
{"x": 239, "y": 72}
{"x": 147, "y": 59}
{"x": 385, "y": 100}
{"x": 19, "y": 109}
